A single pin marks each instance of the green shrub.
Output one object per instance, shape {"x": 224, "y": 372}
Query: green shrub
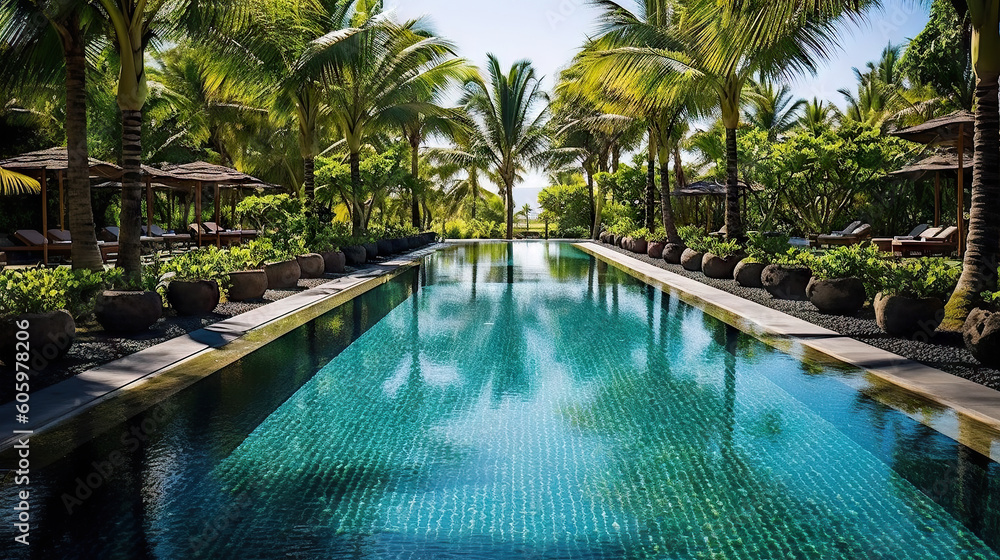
{"x": 640, "y": 233}
{"x": 40, "y": 290}
{"x": 920, "y": 278}
{"x": 576, "y": 232}
{"x": 722, "y": 248}
{"x": 864, "y": 262}
{"x": 624, "y": 226}
{"x": 991, "y": 300}
{"x": 269, "y": 211}
{"x": 688, "y": 233}
{"x": 206, "y": 263}
{"x": 793, "y": 258}
{"x": 148, "y": 281}
{"x": 763, "y": 248}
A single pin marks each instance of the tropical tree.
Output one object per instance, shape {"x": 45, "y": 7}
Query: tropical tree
{"x": 818, "y": 116}
{"x": 772, "y": 108}
{"x": 44, "y": 39}
{"x": 718, "y": 47}
{"x": 525, "y": 212}
{"x": 510, "y": 127}
{"x": 12, "y": 182}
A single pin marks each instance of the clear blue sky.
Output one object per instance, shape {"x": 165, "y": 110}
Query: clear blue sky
{"x": 549, "y": 32}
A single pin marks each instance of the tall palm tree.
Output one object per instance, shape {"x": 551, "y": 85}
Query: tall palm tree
{"x": 383, "y": 77}
{"x": 772, "y": 108}
{"x": 510, "y": 130}
{"x": 818, "y": 115}
{"x": 717, "y": 47}
{"x": 43, "y": 39}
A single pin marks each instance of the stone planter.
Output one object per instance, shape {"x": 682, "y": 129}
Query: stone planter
{"x": 50, "y": 336}
{"x": 334, "y": 262}
{"x": 639, "y": 246}
{"x": 655, "y": 249}
{"x": 311, "y": 265}
{"x": 603, "y": 237}
{"x": 837, "y": 296}
{"x": 673, "y": 252}
{"x": 199, "y": 297}
{"x": 982, "y": 336}
{"x": 719, "y": 268}
{"x": 127, "y": 312}
{"x": 247, "y": 285}
{"x": 747, "y": 274}
{"x": 786, "y": 283}
{"x": 429, "y": 237}
{"x": 356, "y": 255}
{"x": 413, "y": 242}
{"x": 371, "y": 251}
{"x": 398, "y": 245}
{"x": 384, "y": 246}
{"x": 691, "y": 260}
{"x": 283, "y": 275}
{"x": 908, "y": 317}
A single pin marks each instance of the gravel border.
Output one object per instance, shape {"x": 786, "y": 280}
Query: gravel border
{"x": 95, "y": 347}
{"x": 945, "y": 352}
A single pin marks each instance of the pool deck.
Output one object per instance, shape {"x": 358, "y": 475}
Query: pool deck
{"x": 961, "y": 409}
{"x": 75, "y": 410}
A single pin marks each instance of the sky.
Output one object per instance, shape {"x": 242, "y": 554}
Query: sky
{"x": 550, "y": 32}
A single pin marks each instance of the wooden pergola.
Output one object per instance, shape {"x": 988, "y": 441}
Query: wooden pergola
{"x": 938, "y": 164}
{"x": 700, "y": 190}
{"x": 955, "y": 130}
{"x": 198, "y": 174}
{"x": 40, "y": 163}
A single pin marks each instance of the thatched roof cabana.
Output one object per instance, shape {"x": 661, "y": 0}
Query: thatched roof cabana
{"x": 57, "y": 159}
{"x": 936, "y": 165}
{"x": 707, "y": 188}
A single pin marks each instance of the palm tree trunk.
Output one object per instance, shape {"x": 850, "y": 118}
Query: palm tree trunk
{"x": 592, "y": 201}
{"x": 84, "y": 251}
{"x": 474, "y": 184}
{"x": 510, "y": 209}
{"x": 415, "y": 177}
{"x": 357, "y": 225}
{"x": 309, "y": 178}
{"x": 129, "y": 250}
{"x": 734, "y": 220}
{"x": 979, "y": 273}
{"x": 651, "y": 183}
{"x": 666, "y": 204}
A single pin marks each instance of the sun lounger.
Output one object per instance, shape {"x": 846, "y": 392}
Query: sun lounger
{"x": 212, "y": 234}
{"x": 885, "y": 243}
{"x": 943, "y": 243}
{"x": 168, "y": 238}
{"x": 34, "y": 241}
{"x": 851, "y": 235}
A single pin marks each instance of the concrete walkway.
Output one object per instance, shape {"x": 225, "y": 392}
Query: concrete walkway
{"x": 959, "y": 408}
{"x": 75, "y": 410}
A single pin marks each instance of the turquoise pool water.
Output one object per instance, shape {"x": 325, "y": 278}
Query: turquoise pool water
{"x": 525, "y": 401}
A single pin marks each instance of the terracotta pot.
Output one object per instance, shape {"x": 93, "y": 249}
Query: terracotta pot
{"x": 128, "y": 312}
{"x": 837, "y": 296}
{"x": 371, "y": 251}
{"x": 385, "y": 247}
{"x": 199, "y": 297}
{"x": 673, "y": 252}
{"x": 640, "y": 245}
{"x": 283, "y": 275}
{"x": 719, "y": 268}
{"x": 786, "y": 283}
{"x": 747, "y": 274}
{"x": 908, "y": 317}
{"x": 334, "y": 262}
{"x": 247, "y": 285}
{"x": 356, "y": 255}
{"x": 691, "y": 260}
{"x": 311, "y": 265}
{"x": 50, "y": 336}
{"x": 655, "y": 249}
{"x": 982, "y": 336}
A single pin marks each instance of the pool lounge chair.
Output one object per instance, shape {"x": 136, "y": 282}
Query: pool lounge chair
{"x": 32, "y": 241}
{"x": 851, "y": 235}
{"x": 885, "y": 243}
{"x": 944, "y": 243}
{"x": 109, "y": 250}
{"x": 168, "y": 238}
{"x": 110, "y": 234}
{"x": 211, "y": 234}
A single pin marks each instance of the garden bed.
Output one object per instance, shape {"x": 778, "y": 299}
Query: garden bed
{"x": 946, "y": 352}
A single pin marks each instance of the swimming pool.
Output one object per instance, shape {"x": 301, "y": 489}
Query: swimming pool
{"x": 519, "y": 401}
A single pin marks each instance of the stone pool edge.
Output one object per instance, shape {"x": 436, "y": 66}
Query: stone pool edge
{"x": 976, "y": 408}
{"x": 77, "y": 409}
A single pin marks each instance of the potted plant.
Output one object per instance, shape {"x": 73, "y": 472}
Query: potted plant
{"x": 673, "y": 252}
{"x": 43, "y": 304}
{"x": 354, "y": 252}
{"x": 245, "y": 267}
{"x": 696, "y": 246}
{"x": 640, "y": 241}
{"x": 130, "y": 305}
{"x": 657, "y": 242}
{"x": 721, "y": 258}
{"x": 911, "y": 299}
{"x": 982, "y": 331}
{"x": 195, "y": 280}
{"x": 843, "y": 277}
{"x": 761, "y": 250}
{"x": 282, "y": 267}
{"x": 788, "y": 275}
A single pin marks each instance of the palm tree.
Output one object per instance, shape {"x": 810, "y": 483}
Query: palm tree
{"x": 510, "y": 131}
{"x": 818, "y": 116}
{"x": 525, "y": 212}
{"x": 384, "y": 77}
{"x": 14, "y": 183}
{"x": 979, "y": 272}
{"x": 42, "y": 39}
{"x": 772, "y": 109}
{"x": 705, "y": 48}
